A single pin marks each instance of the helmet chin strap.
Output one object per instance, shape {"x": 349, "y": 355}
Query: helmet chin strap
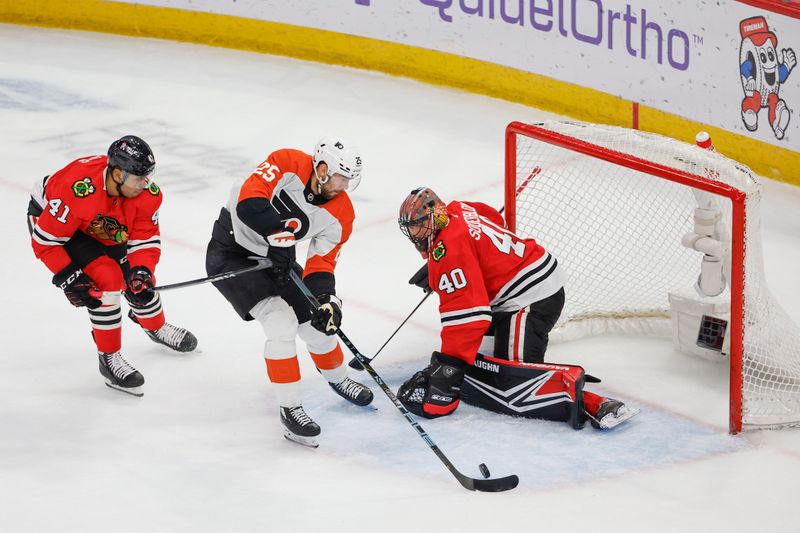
{"x": 320, "y": 180}
{"x": 117, "y": 186}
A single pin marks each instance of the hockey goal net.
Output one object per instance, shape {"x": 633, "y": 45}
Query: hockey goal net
{"x": 613, "y": 205}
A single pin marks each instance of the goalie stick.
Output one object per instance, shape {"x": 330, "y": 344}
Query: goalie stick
{"x": 261, "y": 264}
{"x": 481, "y": 485}
{"x": 355, "y": 365}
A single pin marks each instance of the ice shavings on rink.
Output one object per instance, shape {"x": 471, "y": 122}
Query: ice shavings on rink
{"x": 29, "y": 95}
{"x": 543, "y": 454}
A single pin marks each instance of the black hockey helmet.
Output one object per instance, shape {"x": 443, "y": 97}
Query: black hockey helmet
{"x": 132, "y": 155}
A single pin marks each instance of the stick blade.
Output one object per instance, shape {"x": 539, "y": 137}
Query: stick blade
{"x": 500, "y": 484}
{"x": 355, "y": 365}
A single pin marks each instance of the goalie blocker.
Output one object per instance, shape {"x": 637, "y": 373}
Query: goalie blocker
{"x": 530, "y": 390}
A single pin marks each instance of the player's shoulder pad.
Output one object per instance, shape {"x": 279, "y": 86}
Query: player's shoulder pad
{"x": 150, "y": 198}
{"x": 79, "y": 183}
{"x": 153, "y": 190}
{"x": 341, "y": 207}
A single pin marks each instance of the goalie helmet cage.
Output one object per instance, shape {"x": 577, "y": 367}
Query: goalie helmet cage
{"x": 612, "y": 204}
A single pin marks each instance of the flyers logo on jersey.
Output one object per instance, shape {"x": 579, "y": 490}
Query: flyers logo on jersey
{"x": 83, "y": 188}
{"x": 153, "y": 189}
{"x": 108, "y": 229}
{"x": 438, "y": 251}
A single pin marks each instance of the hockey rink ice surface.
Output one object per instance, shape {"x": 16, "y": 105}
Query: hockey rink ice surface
{"x": 203, "y": 450}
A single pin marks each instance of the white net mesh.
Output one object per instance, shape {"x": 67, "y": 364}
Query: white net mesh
{"x": 617, "y": 232}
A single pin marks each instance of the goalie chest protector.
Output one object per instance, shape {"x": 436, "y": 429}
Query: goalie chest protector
{"x": 530, "y": 390}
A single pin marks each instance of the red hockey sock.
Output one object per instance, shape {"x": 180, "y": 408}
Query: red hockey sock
{"x": 592, "y": 402}
{"x": 153, "y": 322}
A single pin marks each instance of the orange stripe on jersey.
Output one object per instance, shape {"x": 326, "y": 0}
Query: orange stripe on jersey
{"x": 283, "y": 370}
{"x": 264, "y": 179}
{"x": 341, "y": 208}
{"x": 329, "y": 361}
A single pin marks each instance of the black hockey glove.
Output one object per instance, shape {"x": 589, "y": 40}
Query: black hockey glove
{"x": 281, "y": 252}
{"x": 328, "y": 316}
{"x": 139, "y": 286}
{"x": 435, "y": 391}
{"x": 76, "y": 286}
{"x": 420, "y": 279}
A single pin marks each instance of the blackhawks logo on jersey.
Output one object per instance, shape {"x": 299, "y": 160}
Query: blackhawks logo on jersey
{"x": 438, "y": 251}
{"x": 108, "y": 229}
{"x": 83, "y": 188}
{"x": 153, "y": 189}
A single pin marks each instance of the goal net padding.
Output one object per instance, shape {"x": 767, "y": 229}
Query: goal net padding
{"x": 613, "y": 205}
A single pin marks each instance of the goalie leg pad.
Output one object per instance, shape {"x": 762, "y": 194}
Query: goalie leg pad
{"x": 530, "y": 390}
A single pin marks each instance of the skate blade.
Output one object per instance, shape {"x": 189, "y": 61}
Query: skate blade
{"x": 133, "y": 391}
{"x": 625, "y": 413}
{"x": 311, "y": 442}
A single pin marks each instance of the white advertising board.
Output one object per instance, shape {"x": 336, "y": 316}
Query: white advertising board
{"x": 726, "y": 64}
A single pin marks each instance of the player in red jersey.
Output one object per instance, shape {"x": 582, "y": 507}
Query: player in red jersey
{"x": 94, "y": 224}
{"x": 292, "y": 197}
{"x": 492, "y": 283}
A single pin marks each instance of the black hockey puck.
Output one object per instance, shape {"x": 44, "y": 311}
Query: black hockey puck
{"x": 484, "y": 470}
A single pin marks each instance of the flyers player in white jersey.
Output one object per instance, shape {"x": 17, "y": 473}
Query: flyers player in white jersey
{"x": 501, "y": 295}
{"x": 94, "y": 224}
{"x": 292, "y": 197}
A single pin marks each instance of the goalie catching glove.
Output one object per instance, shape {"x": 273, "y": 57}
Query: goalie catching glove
{"x": 328, "y": 316}
{"x": 435, "y": 391}
{"x": 420, "y": 279}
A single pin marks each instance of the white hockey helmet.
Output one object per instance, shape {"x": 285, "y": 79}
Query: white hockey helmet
{"x": 342, "y": 157}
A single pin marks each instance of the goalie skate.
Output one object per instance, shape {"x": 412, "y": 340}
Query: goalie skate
{"x": 299, "y": 427}
{"x": 611, "y": 414}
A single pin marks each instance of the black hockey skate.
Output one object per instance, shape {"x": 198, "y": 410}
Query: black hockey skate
{"x": 353, "y": 392}
{"x": 298, "y": 426}
{"x": 178, "y": 339}
{"x": 120, "y": 374}
{"x": 612, "y": 413}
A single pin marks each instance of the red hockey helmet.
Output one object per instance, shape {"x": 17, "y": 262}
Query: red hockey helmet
{"x": 422, "y": 216}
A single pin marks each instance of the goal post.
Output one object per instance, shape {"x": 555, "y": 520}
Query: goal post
{"x": 613, "y": 205}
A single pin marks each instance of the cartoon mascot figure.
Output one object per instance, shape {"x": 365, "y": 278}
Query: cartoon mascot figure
{"x": 762, "y": 75}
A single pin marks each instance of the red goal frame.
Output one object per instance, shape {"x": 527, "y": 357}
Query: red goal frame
{"x": 736, "y": 196}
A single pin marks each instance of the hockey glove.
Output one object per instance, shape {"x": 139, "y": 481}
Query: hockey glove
{"x": 328, "y": 316}
{"x": 281, "y": 252}
{"x": 420, "y": 279}
{"x": 76, "y": 286}
{"x": 139, "y": 286}
{"x": 435, "y": 391}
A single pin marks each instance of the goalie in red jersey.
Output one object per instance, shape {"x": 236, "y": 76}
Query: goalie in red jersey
{"x": 94, "y": 224}
{"x": 499, "y": 295}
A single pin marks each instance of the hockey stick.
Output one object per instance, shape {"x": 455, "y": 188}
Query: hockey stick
{"x": 354, "y": 364}
{"x": 481, "y": 485}
{"x": 261, "y": 264}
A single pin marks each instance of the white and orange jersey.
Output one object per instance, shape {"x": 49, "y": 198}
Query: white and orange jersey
{"x": 478, "y": 267}
{"x": 284, "y": 180}
{"x": 75, "y": 199}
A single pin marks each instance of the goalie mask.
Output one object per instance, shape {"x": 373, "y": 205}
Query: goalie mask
{"x": 422, "y": 216}
{"x": 342, "y": 157}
